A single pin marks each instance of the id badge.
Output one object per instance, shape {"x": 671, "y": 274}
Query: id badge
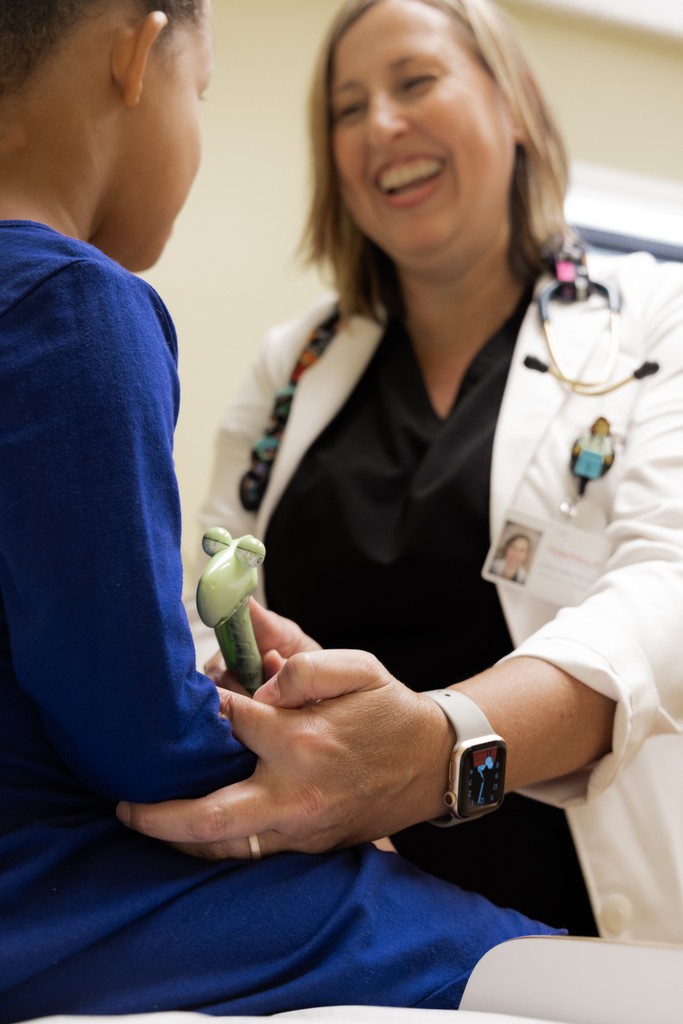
{"x": 553, "y": 561}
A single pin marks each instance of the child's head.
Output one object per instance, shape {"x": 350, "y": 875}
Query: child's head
{"x": 99, "y": 107}
{"x": 30, "y": 30}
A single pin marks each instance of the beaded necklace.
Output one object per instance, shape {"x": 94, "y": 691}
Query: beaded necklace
{"x": 255, "y": 480}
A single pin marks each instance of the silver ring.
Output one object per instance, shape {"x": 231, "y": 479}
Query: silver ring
{"x": 255, "y": 847}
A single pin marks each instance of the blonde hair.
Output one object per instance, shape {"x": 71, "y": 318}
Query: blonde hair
{"x": 363, "y": 275}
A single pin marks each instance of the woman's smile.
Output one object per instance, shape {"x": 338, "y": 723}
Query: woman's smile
{"x": 408, "y": 175}
{"x": 422, "y": 138}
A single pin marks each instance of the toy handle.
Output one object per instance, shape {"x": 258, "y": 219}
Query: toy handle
{"x": 238, "y": 646}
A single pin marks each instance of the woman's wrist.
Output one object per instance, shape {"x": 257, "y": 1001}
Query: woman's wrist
{"x": 437, "y": 748}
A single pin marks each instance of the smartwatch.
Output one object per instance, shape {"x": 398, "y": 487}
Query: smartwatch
{"x": 476, "y": 769}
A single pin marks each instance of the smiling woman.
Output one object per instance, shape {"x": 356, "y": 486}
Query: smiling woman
{"x": 423, "y": 142}
{"x": 470, "y": 46}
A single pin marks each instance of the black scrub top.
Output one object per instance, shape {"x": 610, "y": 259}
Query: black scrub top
{"x": 378, "y": 544}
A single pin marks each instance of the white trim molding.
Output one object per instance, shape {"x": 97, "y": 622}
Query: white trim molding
{"x": 664, "y": 17}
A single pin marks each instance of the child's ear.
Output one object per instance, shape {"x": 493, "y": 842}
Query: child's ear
{"x": 129, "y": 57}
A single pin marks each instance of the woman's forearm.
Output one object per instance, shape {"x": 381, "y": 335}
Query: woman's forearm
{"x": 552, "y": 723}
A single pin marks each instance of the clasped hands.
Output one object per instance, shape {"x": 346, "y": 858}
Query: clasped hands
{"x": 346, "y": 753}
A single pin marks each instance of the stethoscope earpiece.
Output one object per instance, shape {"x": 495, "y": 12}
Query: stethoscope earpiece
{"x": 532, "y": 363}
{"x": 646, "y": 370}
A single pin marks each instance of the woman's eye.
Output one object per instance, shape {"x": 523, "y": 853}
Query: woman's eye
{"x": 415, "y": 82}
{"x": 349, "y": 112}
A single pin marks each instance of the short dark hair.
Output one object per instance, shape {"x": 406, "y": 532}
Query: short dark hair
{"x": 30, "y": 30}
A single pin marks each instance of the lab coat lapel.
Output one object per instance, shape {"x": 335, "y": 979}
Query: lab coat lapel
{"x": 320, "y": 394}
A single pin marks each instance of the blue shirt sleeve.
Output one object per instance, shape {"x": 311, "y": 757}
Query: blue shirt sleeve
{"x": 90, "y": 518}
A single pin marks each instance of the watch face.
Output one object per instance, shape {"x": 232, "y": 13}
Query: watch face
{"x": 481, "y": 778}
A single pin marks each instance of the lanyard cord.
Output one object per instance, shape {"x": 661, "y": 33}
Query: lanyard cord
{"x": 254, "y": 482}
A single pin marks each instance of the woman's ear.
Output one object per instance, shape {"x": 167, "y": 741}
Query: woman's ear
{"x": 131, "y": 51}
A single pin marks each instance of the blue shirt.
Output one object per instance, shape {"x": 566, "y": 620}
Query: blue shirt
{"x": 100, "y": 701}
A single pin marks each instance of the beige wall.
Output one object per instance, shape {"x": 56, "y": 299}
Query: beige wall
{"x": 230, "y": 271}
{"x": 615, "y": 91}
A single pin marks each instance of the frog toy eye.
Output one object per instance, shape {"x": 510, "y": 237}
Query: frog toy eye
{"x": 215, "y": 539}
{"x": 250, "y": 551}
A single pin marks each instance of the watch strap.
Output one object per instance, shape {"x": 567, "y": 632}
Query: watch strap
{"x": 466, "y": 717}
{"x": 469, "y": 722}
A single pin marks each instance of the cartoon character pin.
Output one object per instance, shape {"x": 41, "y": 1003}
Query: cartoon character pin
{"x": 592, "y": 455}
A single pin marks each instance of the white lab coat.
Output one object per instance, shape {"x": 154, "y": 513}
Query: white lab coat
{"x": 625, "y": 638}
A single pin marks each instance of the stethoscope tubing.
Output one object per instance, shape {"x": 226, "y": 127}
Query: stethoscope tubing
{"x": 599, "y": 386}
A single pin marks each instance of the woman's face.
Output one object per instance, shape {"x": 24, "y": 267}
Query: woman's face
{"x": 517, "y": 552}
{"x": 422, "y": 138}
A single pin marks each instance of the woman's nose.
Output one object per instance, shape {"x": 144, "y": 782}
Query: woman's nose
{"x": 386, "y": 119}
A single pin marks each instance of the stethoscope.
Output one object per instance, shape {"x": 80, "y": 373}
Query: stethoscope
{"x": 572, "y": 283}
{"x": 592, "y": 454}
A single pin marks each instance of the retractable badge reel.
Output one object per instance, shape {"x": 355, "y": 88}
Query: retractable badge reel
{"x": 223, "y": 600}
{"x": 591, "y": 457}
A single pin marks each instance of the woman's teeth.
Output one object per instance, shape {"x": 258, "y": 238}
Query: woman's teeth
{"x": 407, "y": 175}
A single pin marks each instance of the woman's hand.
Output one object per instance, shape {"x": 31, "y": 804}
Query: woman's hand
{"x": 346, "y": 754}
{"x": 277, "y": 639}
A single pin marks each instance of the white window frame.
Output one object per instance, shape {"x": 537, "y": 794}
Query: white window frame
{"x": 665, "y": 17}
{"x": 629, "y": 208}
